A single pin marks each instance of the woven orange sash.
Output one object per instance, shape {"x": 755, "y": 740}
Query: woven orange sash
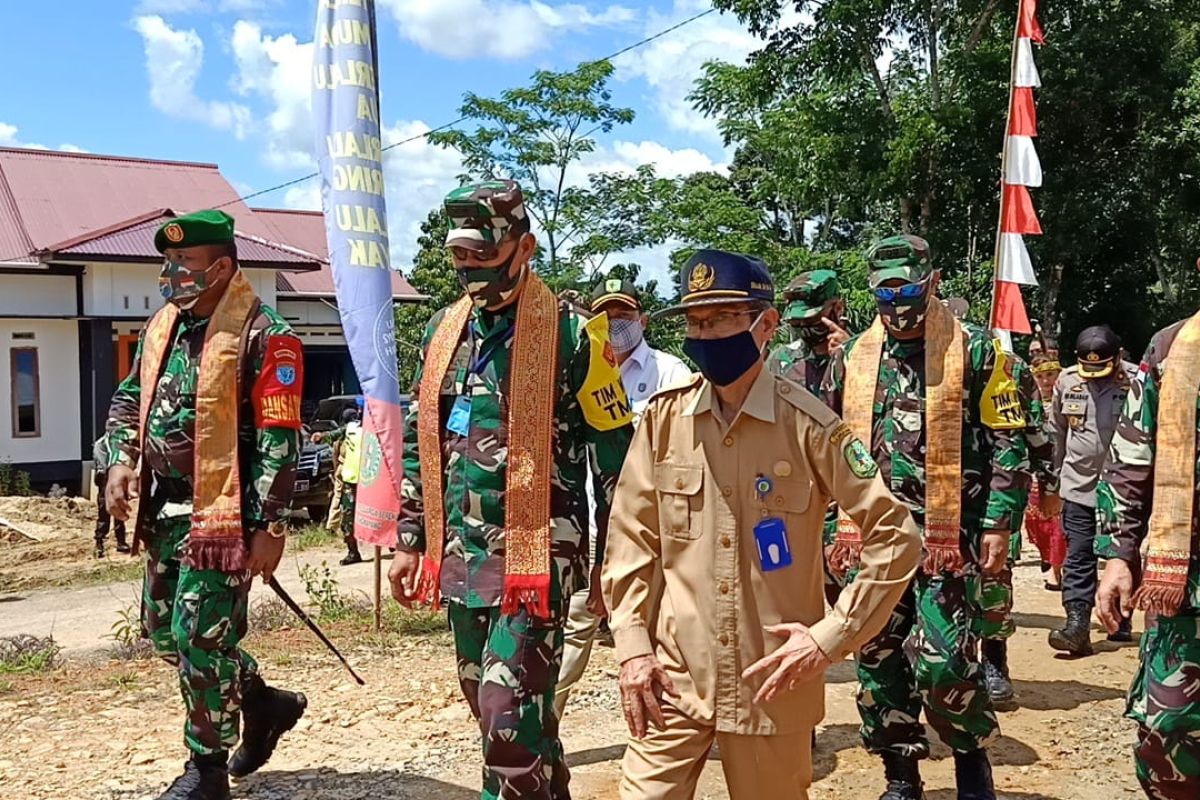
{"x": 216, "y": 537}
{"x": 532, "y": 381}
{"x": 1165, "y": 582}
{"x": 944, "y": 375}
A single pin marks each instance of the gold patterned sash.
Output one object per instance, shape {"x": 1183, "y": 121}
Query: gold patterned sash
{"x": 216, "y": 540}
{"x": 532, "y": 382}
{"x": 1165, "y": 582}
{"x": 944, "y": 374}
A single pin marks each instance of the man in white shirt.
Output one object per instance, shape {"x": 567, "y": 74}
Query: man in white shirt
{"x": 644, "y": 371}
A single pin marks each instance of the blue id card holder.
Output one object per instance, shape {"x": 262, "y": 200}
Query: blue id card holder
{"x": 460, "y": 416}
{"x": 771, "y": 541}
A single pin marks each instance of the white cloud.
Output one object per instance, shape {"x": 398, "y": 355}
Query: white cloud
{"x": 173, "y": 62}
{"x": 279, "y": 70}
{"x": 9, "y": 138}
{"x": 670, "y": 65}
{"x": 507, "y": 29}
{"x": 417, "y": 176}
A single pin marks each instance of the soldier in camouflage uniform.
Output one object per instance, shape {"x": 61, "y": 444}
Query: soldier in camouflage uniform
{"x": 1164, "y": 698}
{"x": 814, "y": 315}
{"x": 508, "y": 663}
{"x": 927, "y": 654}
{"x": 996, "y": 591}
{"x": 196, "y": 617}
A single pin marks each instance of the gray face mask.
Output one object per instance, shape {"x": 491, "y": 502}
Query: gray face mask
{"x": 625, "y": 335}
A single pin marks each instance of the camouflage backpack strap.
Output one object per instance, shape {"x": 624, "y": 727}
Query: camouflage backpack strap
{"x": 429, "y": 441}
{"x": 1165, "y": 582}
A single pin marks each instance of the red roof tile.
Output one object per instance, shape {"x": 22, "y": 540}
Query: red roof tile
{"x": 306, "y": 229}
{"x": 135, "y": 239}
{"x": 47, "y": 197}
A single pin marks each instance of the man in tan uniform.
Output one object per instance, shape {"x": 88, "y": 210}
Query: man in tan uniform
{"x": 713, "y": 570}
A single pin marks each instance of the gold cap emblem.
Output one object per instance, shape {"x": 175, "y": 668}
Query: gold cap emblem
{"x": 701, "y": 278}
{"x": 174, "y": 233}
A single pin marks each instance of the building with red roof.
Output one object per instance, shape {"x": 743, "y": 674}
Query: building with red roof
{"x": 78, "y": 279}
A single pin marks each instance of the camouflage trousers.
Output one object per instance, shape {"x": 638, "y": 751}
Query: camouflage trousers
{"x": 996, "y": 597}
{"x": 195, "y": 619}
{"x": 508, "y": 669}
{"x": 1165, "y": 701}
{"x": 346, "y": 524}
{"x": 926, "y": 656}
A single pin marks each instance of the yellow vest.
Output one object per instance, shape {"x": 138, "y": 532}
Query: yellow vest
{"x": 351, "y": 452}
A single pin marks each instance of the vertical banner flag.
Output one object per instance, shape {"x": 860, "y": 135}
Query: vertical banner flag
{"x": 1020, "y": 169}
{"x": 349, "y": 153}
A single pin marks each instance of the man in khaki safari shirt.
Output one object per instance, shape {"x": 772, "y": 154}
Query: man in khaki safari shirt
{"x": 713, "y": 570}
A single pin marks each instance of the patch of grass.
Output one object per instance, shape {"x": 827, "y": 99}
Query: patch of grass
{"x": 126, "y": 633}
{"x": 311, "y": 536}
{"x": 125, "y": 681}
{"x": 120, "y": 569}
{"x": 333, "y": 605}
{"x": 28, "y": 655}
{"x": 411, "y": 621}
{"x": 271, "y": 614}
{"x": 7, "y": 687}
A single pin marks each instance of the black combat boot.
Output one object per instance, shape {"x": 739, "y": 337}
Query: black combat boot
{"x": 203, "y": 778}
{"x": 995, "y": 671}
{"x": 267, "y": 714}
{"x": 99, "y": 551}
{"x": 1074, "y": 637}
{"x": 904, "y": 778}
{"x": 122, "y": 545}
{"x": 973, "y": 776}
{"x": 1124, "y": 631}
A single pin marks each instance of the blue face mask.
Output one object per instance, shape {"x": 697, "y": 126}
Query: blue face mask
{"x": 724, "y": 360}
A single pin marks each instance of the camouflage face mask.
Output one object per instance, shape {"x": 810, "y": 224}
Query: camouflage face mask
{"x": 905, "y": 314}
{"x": 491, "y": 286}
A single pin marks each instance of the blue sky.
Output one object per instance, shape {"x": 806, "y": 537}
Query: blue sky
{"x": 227, "y": 81}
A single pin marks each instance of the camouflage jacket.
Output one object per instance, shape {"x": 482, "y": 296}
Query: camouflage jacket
{"x": 269, "y": 454}
{"x": 1125, "y": 495}
{"x": 784, "y": 356}
{"x": 473, "y": 556}
{"x": 995, "y": 462}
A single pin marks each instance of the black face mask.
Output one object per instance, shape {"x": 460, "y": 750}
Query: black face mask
{"x": 724, "y": 360}
{"x": 812, "y": 335}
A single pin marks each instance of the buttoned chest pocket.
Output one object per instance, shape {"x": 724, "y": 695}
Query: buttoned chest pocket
{"x": 788, "y": 496}
{"x": 1074, "y": 408}
{"x": 680, "y": 499}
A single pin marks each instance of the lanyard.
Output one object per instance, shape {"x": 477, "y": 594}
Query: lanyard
{"x": 486, "y": 355}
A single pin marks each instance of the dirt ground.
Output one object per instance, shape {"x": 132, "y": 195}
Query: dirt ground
{"x": 113, "y": 730}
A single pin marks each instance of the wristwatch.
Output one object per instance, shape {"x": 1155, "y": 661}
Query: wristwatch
{"x": 277, "y": 529}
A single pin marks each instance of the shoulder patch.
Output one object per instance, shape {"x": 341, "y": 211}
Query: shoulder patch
{"x": 805, "y": 401}
{"x": 602, "y": 396}
{"x": 858, "y": 458}
{"x": 280, "y": 382}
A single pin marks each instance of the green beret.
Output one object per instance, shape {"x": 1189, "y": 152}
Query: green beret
{"x": 195, "y": 229}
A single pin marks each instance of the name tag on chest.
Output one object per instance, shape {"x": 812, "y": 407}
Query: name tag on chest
{"x": 770, "y": 539}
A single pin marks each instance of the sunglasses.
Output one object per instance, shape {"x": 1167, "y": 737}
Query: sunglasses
{"x": 909, "y": 291}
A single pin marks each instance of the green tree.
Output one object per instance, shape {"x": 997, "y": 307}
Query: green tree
{"x": 432, "y": 275}
{"x": 534, "y": 134}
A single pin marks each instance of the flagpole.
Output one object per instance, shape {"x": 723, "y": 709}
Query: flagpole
{"x": 1012, "y": 82}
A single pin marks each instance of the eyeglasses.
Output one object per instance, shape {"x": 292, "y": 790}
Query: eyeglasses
{"x": 725, "y": 322}
{"x": 909, "y": 291}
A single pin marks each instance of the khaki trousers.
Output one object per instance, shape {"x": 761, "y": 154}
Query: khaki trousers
{"x": 667, "y": 764}
{"x": 578, "y": 637}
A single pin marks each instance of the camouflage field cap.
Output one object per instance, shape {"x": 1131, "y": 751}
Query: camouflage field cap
{"x": 901, "y": 257}
{"x": 482, "y": 214}
{"x": 808, "y": 293}
{"x": 195, "y": 229}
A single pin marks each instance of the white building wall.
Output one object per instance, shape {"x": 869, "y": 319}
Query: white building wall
{"x": 315, "y": 321}
{"x": 57, "y": 343}
{"x": 37, "y": 295}
{"x": 131, "y": 290}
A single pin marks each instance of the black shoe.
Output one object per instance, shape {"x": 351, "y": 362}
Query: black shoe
{"x": 353, "y": 557}
{"x": 267, "y": 714}
{"x": 973, "y": 776}
{"x": 203, "y": 778}
{"x": 1052, "y": 587}
{"x": 904, "y": 778}
{"x": 1075, "y": 637}
{"x": 1045, "y": 566}
{"x": 1124, "y": 632}
{"x": 99, "y": 551}
{"x": 122, "y": 547}
{"x": 995, "y": 671}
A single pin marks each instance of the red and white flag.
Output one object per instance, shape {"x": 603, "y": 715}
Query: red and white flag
{"x": 1020, "y": 170}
